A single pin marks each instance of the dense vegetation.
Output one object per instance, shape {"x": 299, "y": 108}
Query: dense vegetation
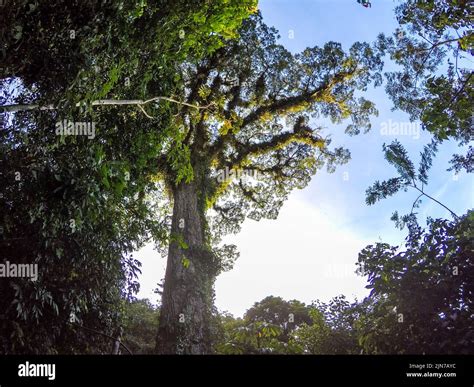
{"x": 179, "y": 92}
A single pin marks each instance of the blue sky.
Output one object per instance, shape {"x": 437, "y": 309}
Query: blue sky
{"x": 310, "y": 251}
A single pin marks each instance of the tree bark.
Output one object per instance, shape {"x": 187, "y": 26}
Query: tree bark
{"x": 188, "y": 289}
{"x": 118, "y": 339}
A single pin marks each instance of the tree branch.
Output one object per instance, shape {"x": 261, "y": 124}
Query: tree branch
{"x": 100, "y": 102}
{"x": 284, "y": 105}
{"x": 300, "y": 134}
{"x": 437, "y": 44}
{"x": 436, "y": 201}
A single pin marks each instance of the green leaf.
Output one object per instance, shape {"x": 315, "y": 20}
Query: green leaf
{"x": 185, "y": 262}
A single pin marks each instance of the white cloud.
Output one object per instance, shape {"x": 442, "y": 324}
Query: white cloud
{"x": 302, "y": 255}
{"x": 153, "y": 270}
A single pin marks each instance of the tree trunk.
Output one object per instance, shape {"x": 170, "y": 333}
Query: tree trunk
{"x": 188, "y": 289}
{"x": 118, "y": 339}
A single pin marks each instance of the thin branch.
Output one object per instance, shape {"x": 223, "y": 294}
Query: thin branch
{"x": 178, "y": 102}
{"x": 100, "y": 102}
{"x": 414, "y": 203}
{"x": 144, "y": 112}
{"x": 425, "y": 38}
{"x": 90, "y": 330}
{"x": 432, "y": 198}
{"x": 101, "y": 333}
{"x": 439, "y": 44}
{"x": 22, "y": 107}
{"x": 461, "y": 89}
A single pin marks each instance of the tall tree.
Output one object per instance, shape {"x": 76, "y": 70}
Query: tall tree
{"x": 256, "y": 101}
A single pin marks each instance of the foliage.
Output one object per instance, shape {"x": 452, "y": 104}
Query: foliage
{"x": 239, "y": 337}
{"x": 140, "y": 322}
{"x": 265, "y": 328}
{"x": 76, "y": 206}
{"x": 434, "y": 46}
{"x": 95, "y": 44}
{"x": 287, "y": 315}
{"x": 396, "y": 155}
{"x": 422, "y": 296}
{"x": 332, "y": 330}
